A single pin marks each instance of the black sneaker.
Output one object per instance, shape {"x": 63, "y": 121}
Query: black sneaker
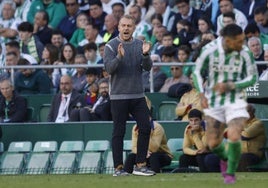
{"x": 143, "y": 171}
{"x": 120, "y": 172}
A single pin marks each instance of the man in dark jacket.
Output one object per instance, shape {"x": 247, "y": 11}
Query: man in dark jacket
{"x": 65, "y": 101}
{"x": 13, "y": 108}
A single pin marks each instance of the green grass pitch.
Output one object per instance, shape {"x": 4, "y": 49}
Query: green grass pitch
{"x": 178, "y": 180}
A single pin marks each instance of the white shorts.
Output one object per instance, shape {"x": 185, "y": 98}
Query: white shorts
{"x": 228, "y": 112}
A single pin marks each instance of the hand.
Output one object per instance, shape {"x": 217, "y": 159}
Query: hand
{"x": 200, "y": 151}
{"x": 204, "y": 101}
{"x": 224, "y": 87}
{"x": 120, "y": 50}
{"x": 148, "y": 154}
{"x": 146, "y": 46}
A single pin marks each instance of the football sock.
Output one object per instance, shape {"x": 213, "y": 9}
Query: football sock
{"x": 220, "y": 151}
{"x": 234, "y": 153}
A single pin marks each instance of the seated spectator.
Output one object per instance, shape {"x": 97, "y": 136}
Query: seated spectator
{"x": 90, "y": 51}
{"x": 79, "y": 33}
{"x": 79, "y": 78}
{"x": 31, "y": 81}
{"x": 177, "y": 77}
{"x": 101, "y": 110}
{"x": 157, "y": 21}
{"x": 169, "y": 55}
{"x": 91, "y": 87}
{"x": 264, "y": 75}
{"x": 107, "y": 5}
{"x": 41, "y": 28}
{"x": 158, "y": 154}
{"x": 55, "y": 9}
{"x": 111, "y": 31}
{"x": 57, "y": 39}
{"x": 29, "y": 43}
{"x": 13, "y": 108}
{"x": 67, "y": 24}
{"x": 118, "y": 10}
{"x": 184, "y": 57}
{"x": 255, "y": 46}
{"x": 253, "y": 138}
{"x": 96, "y": 14}
{"x": 194, "y": 143}
{"x": 189, "y": 100}
{"x": 261, "y": 18}
{"x": 11, "y": 60}
{"x": 159, "y": 76}
{"x": 65, "y": 101}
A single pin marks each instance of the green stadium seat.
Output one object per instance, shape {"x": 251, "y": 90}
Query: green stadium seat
{"x": 97, "y": 145}
{"x": 90, "y": 163}
{"x": 30, "y": 114}
{"x": 14, "y": 159}
{"x": 167, "y": 110}
{"x": 43, "y": 112}
{"x": 67, "y": 157}
{"x": 127, "y": 146}
{"x": 41, "y": 157}
{"x": 2, "y": 149}
{"x": 175, "y": 145}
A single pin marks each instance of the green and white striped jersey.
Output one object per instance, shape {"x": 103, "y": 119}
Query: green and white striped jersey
{"x": 238, "y": 67}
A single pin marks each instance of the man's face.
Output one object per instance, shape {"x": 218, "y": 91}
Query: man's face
{"x": 6, "y": 89}
{"x": 65, "y": 85}
{"x": 118, "y": 11}
{"x": 236, "y": 43}
{"x": 38, "y": 19}
{"x": 176, "y": 71}
{"x": 11, "y": 60}
{"x": 90, "y": 33}
{"x": 25, "y": 35}
{"x": 7, "y": 12}
{"x": 95, "y": 11}
{"x": 110, "y": 22}
{"x": 195, "y": 122}
{"x": 255, "y": 47}
{"x": 159, "y": 6}
{"x": 226, "y": 6}
{"x": 227, "y": 21}
{"x": 104, "y": 89}
{"x": 90, "y": 54}
{"x": 72, "y": 7}
{"x": 183, "y": 8}
{"x": 134, "y": 12}
{"x": 261, "y": 19}
{"x": 167, "y": 41}
{"x": 126, "y": 28}
{"x": 26, "y": 72}
{"x": 57, "y": 40}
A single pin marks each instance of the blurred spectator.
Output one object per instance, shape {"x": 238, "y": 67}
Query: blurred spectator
{"x": 57, "y": 39}
{"x": 111, "y": 25}
{"x": 177, "y": 77}
{"x": 204, "y": 26}
{"x": 79, "y": 33}
{"x": 11, "y": 60}
{"x": 194, "y": 143}
{"x": 169, "y": 55}
{"x": 90, "y": 51}
{"x": 92, "y": 79}
{"x": 65, "y": 101}
{"x": 162, "y": 7}
{"x": 228, "y": 18}
{"x": 252, "y": 30}
{"x": 22, "y": 8}
{"x": 7, "y": 20}
{"x": 107, "y": 5}
{"x": 261, "y": 18}
{"x": 67, "y": 56}
{"x": 227, "y": 6}
{"x": 184, "y": 57}
{"x": 41, "y": 28}
{"x": 147, "y": 9}
{"x": 30, "y": 43}
{"x": 142, "y": 26}
{"x": 31, "y": 81}
{"x": 185, "y": 12}
{"x": 67, "y": 24}
{"x": 184, "y": 33}
{"x": 264, "y": 75}
{"x": 118, "y": 10}
{"x": 254, "y": 45}
{"x": 100, "y": 111}
{"x": 13, "y": 108}
{"x": 158, "y": 32}
{"x": 156, "y": 21}
{"x": 159, "y": 77}
{"x": 158, "y": 154}
{"x": 55, "y": 9}
{"x": 91, "y": 35}
{"x": 189, "y": 100}
{"x": 166, "y": 41}
{"x": 79, "y": 78}
{"x": 96, "y": 14}
{"x": 253, "y": 139}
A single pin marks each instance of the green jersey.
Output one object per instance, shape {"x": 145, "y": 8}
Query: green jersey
{"x": 221, "y": 67}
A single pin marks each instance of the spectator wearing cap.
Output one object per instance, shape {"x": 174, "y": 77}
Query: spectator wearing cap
{"x": 30, "y": 43}
{"x": 65, "y": 101}
{"x": 55, "y": 9}
{"x": 194, "y": 143}
{"x": 31, "y": 81}
{"x": 96, "y": 14}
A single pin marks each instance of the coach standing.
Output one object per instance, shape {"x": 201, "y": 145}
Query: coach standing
{"x": 124, "y": 59}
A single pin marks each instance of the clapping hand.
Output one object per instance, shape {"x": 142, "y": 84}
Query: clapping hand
{"x": 120, "y": 50}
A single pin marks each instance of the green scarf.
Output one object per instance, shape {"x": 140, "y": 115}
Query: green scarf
{"x": 31, "y": 48}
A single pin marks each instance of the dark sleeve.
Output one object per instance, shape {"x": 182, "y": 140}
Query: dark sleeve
{"x": 52, "y": 111}
{"x": 43, "y": 82}
{"x": 20, "y": 114}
